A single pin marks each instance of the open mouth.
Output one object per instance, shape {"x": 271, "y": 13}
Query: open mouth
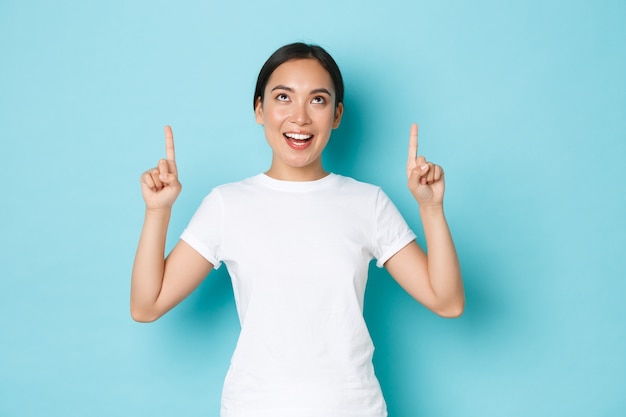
{"x": 298, "y": 140}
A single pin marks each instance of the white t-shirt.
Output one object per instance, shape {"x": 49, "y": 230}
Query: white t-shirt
{"x": 298, "y": 255}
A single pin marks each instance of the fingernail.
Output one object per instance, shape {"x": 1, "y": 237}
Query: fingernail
{"x": 423, "y": 167}
{"x": 163, "y": 177}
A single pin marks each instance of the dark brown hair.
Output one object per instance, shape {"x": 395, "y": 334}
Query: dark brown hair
{"x": 294, "y": 51}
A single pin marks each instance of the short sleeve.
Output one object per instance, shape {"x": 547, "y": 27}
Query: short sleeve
{"x": 204, "y": 231}
{"x": 391, "y": 232}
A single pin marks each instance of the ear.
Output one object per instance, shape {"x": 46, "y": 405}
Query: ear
{"x": 258, "y": 111}
{"x": 337, "y": 116}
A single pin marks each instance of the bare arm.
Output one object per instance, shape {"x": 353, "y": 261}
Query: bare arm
{"x": 434, "y": 279}
{"x": 159, "y": 284}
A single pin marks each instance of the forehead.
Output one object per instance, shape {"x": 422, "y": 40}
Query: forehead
{"x": 301, "y": 74}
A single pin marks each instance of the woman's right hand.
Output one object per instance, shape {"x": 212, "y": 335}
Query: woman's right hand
{"x": 159, "y": 185}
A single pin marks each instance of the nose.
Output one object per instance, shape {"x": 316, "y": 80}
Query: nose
{"x": 300, "y": 114}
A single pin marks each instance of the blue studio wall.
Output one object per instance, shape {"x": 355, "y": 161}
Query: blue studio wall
{"x": 522, "y": 102}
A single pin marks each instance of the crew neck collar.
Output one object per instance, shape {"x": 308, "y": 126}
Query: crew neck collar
{"x": 284, "y": 185}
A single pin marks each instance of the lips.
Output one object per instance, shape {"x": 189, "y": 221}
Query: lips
{"x": 298, "y": 140}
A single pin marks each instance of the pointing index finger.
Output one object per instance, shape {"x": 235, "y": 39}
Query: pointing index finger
{"x": 169, "y": 144}
{"x": 412, "y": 145}
{"x": 169, "y": 150}
{"x": 413, "y": 141}
{"x": 411, "y": 162}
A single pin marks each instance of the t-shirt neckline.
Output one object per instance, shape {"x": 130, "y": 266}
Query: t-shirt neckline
{"x": 296, "y": 186}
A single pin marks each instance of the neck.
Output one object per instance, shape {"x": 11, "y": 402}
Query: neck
{"x": 297, "y": 174}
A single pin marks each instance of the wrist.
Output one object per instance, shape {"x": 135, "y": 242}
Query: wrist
{"x": 431, "y": 210}
{"x": 158, "y": 212}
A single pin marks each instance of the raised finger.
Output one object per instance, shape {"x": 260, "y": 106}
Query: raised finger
{"x": 412, "y": 145}
{"x": 170, "y": 154}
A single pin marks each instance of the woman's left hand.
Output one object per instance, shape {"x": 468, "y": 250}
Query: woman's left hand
{"x": 425, "y": 179}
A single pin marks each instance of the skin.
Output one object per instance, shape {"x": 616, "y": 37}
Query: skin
{"x": 299, "y": 100}
{"x": 434, "y": 279}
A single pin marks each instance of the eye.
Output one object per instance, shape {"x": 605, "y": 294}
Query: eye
{"x": 282, "y": 97}
{"x": 318, "y": 100}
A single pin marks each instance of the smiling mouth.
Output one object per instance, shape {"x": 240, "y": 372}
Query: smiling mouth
{"x": 298, "y": 140}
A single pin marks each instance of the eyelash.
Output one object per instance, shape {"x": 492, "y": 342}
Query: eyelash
{"x": 315, "y": 100}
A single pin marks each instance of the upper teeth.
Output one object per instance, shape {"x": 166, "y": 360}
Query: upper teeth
{"x": 297, "y": 136}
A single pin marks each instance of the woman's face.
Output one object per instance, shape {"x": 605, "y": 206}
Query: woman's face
{"x": 298, "y": 114}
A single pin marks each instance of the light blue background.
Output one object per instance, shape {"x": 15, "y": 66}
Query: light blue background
{"x": 523, "y": 103}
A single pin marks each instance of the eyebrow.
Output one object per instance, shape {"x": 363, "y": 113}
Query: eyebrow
{"x": 314, "y": 91}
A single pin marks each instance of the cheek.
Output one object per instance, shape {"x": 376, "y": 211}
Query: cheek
{"x": 275, "y": 115}
{"x": 328, "y": 118}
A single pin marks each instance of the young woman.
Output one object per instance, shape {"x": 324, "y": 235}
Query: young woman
{"x": 297, "y": 241}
